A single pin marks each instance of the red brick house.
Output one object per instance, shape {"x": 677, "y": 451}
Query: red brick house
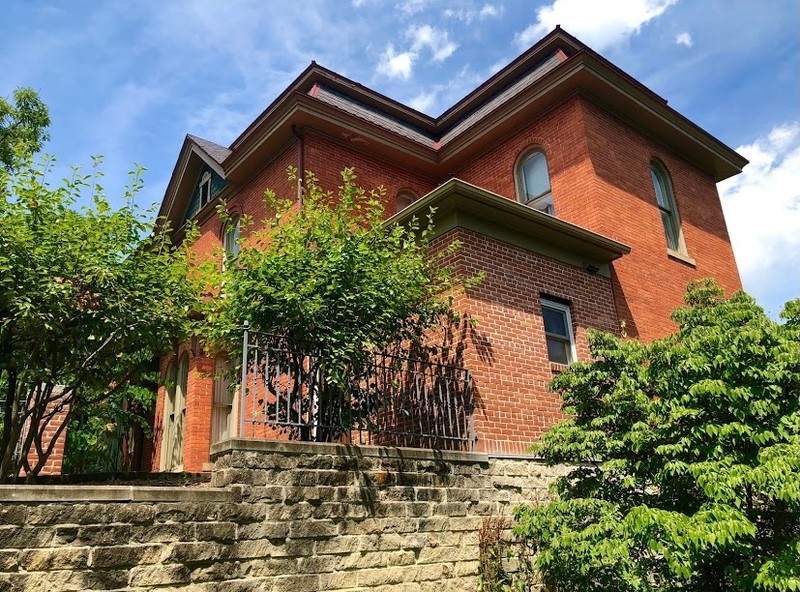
{"x": 584, "y": 198}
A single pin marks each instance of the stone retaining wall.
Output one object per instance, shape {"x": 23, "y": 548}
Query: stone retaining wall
{"x": 281, "y": 516}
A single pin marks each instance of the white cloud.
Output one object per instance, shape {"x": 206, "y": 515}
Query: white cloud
{"x": 762, "y": 210}
{"x": 436, "y": 40}
{"x": 396, "y": 65}
{"x": 412, "y": 7}
{"x": 600, "y": 25}
{"x": 423, "y": 101}
{"x": 684, "y": 39}
{"x": 467, "y": 14}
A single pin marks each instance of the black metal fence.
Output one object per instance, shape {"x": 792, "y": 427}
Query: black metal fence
{"x": 384, "y": 400}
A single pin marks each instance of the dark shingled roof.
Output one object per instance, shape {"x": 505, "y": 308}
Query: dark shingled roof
{"x": 510, "y": 92}
{"x": 374, "y": 116}
{"x": 215, "y": 151}
{"x": 393, "y": 124}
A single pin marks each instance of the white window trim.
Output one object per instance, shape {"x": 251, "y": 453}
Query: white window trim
{"x": 205, "y": 182}
{"x": 566, "y": 309}
{"x": 679, "y": 252}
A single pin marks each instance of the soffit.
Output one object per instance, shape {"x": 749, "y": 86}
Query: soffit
{"x": 457, "y": 203}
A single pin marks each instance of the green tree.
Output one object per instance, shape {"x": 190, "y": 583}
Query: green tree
{"x": 687, "y": 454}
{"x": 330, "y": 279}
{"x": 89, "y": 295}
{"x": 23, "y": 126}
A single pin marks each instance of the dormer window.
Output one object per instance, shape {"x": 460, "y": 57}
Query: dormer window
{"x": 205, "y": 189}
{"x": 533, "y": 182}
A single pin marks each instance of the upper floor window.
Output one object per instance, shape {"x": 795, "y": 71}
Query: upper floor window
{"x": 666, "y": 205}
{"x": 232, "y": 230}
{"x": 558, "y": 332}
{"x": 403, "y": 200}
{"x": 205, "y": 188}
{"x": 533, "y": 182}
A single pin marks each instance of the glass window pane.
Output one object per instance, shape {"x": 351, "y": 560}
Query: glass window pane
{"x": 555, "y": 321}
{"x": 535, "y": 177}
{"x": 661, "y": 189}
{"x": 232, "y": 238}
{"x": 669, "y": 230}
{"x": 557, "y": 351}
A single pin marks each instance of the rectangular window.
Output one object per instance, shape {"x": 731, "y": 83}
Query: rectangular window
{"x": 558, "y": 332}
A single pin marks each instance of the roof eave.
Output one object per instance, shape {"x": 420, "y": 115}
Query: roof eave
{"x": 459, "y": 196}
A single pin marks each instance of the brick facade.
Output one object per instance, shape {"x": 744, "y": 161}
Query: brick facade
{"x": 599, "y": 169}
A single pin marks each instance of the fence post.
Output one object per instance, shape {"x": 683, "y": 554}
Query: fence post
{"x": 243, "y": 384}
{"x": 473, "y": 437}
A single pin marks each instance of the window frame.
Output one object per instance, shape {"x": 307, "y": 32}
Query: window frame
{"x": 204, "y": 186}
{"x": 403, "y": 196}
{"x": 231, "y": 246}
{"x": 569, "y": 339}
{"x": 544, "y": 198}
{"x": 667, "y": 209}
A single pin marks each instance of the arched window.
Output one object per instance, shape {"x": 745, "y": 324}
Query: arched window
{"x": 666, "y": 205}
{"x": 231, "y": 239}
{"x": 403, "y": 200}
{"x": 533, "y": 182}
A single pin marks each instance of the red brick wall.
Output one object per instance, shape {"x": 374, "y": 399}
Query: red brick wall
{"x": 327, "y": 158}
{"x": 600, "y": 177}
{"x": 506, "y": 349}
{"x": 55, "y": 461}
{"x": 649, "y": 284}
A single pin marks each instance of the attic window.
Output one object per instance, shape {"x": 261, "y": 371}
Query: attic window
{"x": 205, "y": 189}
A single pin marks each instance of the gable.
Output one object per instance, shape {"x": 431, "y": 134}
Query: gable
{"x": 217, "y": 185}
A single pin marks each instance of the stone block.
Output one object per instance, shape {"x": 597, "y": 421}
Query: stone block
{"x": 316, "y": 564}
{"x": 13, "y": 514}
{"x": 125, "y": 556}
{"x": 290, "y": 548}
{"x": 8, "y": 560}
{"x": 54, "y": 559}
{"x": 382, "y": 577}
{"x": 164, "y": 532}
{"x": 97, "y": 535}
{"x": 296, "y": 583}
{"x": 264, "y": 530}
{"x": 215, "y": 531}
{"x": 219, "y": 572}
{"x": 381, "y": 542}
{"x": 197, "y": 552}
{"x": 19, "y": 537}
{"x": 363, "y": 560}
{"x": 187, "y": 512}
{"x": 299, "y": 529}
{"x": 340, "y": 545}
{"x": 159, "y": 575}
{"x": 450, "y": 509}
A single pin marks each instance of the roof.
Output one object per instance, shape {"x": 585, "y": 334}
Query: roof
{"x": 556, "y": 68}
{"x": 215, "y": 151}
{"x": 459, "y": 204}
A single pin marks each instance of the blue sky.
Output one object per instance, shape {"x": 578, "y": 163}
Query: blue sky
{"x": 129, "y": 79}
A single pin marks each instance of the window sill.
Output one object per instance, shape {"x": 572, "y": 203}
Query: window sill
{"x": 682, "y": 257}
{"x": 556, "y": 368}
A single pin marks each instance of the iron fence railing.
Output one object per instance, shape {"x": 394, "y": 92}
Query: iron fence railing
{"x": 385, "y": 400}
